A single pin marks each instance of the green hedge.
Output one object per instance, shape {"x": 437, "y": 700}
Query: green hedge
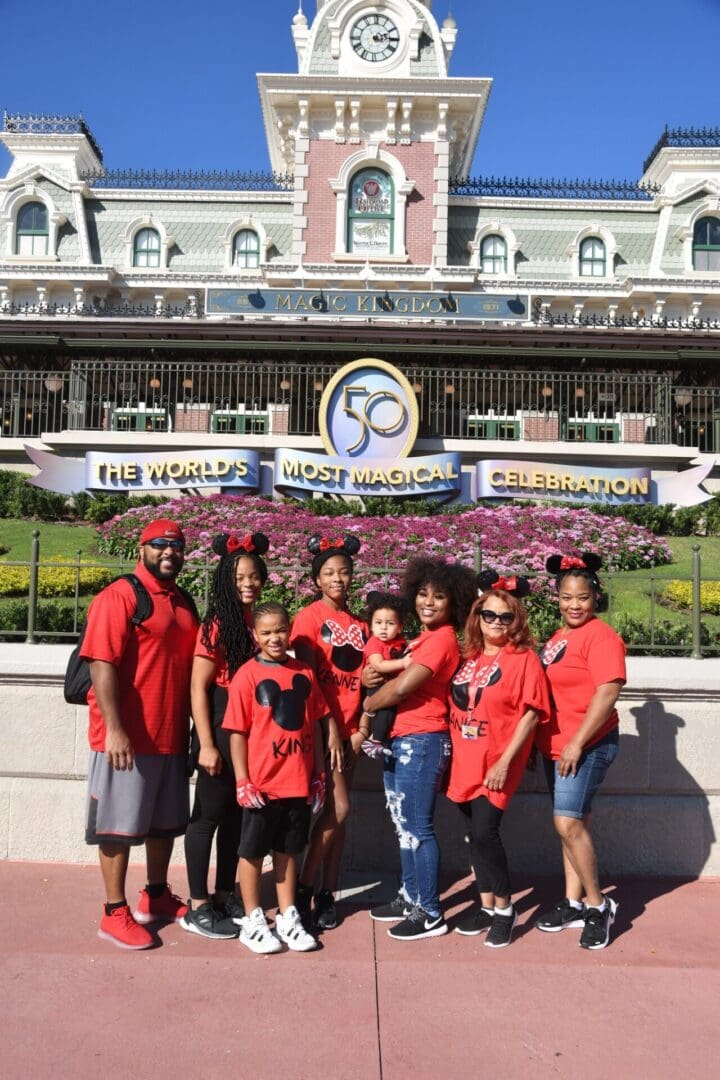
{"x": 53, "y": 616}
{"x": 53, "y": 581}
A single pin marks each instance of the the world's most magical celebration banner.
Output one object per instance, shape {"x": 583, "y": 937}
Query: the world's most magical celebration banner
{"x": 368, "y": 423}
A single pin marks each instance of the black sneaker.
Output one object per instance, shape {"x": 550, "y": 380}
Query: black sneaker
{"x": 325, "y": 914}
{"x": 399, "y": 908}
{"x": 474, "y": 921}
{"x": 500, "y": 931}
{"x": 207, "y": 922}
{"x": 596, "y": 933}
{"x": 303, "y": 902}
{"x": 562, "y": 917}
{"x": 231, "y": 907}
{"x": 419, "y": 925}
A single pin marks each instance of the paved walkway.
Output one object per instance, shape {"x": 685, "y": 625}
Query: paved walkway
{"x": 363, "y": 1006}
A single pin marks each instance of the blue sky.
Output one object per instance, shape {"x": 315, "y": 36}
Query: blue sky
{"x": 579, "y": 89}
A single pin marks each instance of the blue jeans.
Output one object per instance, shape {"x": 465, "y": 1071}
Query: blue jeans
{"x": 412, "y": 778}
{"x": 573, "y": 795}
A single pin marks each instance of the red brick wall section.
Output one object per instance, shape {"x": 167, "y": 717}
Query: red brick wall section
{"x": 539, "y": 429}
{"x": 192, "y": 419}
{"x": 325, "y": 160}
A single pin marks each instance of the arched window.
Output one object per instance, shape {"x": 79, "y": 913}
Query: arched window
{"x": 706, "y": 244}
{"x": 592, "y": 257}
{"x": 371, "y": 213}
{"x": 246, "y": 249}
{"x": 32, "y": 231}
{"x": 493, "y": 255}
{"x": 146, "y": 248}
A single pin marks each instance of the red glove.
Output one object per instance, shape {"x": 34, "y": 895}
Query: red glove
{"x": 318, "y": 788}
{"x": 248, "y": 796}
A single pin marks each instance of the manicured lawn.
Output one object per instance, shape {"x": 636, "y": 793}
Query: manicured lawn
{"x": 65, "y": 540}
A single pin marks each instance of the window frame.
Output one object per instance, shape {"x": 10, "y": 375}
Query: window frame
{"x": 708, "y": 249}
{"x": 255, "y": 251}
{"x": 592, "y": 260}
{"x": 355, "y": 216}
{"x": 146, "y": 230}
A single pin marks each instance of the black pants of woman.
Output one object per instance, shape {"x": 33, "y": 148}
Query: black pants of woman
{"x": 487, "y": 854}
{"x": 215, "y": 810}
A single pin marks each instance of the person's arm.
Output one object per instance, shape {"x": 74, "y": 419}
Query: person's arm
{"x": 239, "y": 755}
{"x": 388, "y": 667}
{"x": 497, "y": 773}
{"x": 204, "y": 671}
{"x": 601, "y": 705}
{"x": 333, "y": 742}
{"x": 118, "y": 749}
{"x": 395, "y": 691}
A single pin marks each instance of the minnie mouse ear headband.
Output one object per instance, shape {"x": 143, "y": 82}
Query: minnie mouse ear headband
{"x": 323, "y": 548}
{"x": 249, "y": 544}
{"x": 585, "y": 565}
{"x": 488, "y": 580}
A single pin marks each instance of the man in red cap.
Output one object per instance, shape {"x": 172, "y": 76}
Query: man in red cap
{"x": 139, "y": 717}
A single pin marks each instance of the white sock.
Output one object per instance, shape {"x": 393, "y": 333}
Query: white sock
{"x": 506, "y": 911}
{"x": 598, "y": 907}
{"x": 574, "y": 904}
{"x": 489, "y": 910}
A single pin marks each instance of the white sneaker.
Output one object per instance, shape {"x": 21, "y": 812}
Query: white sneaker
{"x": 289, "y": 928}
{"x": 257, "y": 935}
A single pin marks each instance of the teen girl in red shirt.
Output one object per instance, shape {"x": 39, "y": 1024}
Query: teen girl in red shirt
{"x": 585, "y": 665}
{"x": 497, "y": 697}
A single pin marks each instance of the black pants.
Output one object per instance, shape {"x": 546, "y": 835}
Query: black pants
{"x": 487, "y": 854}
{"x": 383, "y": 720}
{"x": 215, "y": 810}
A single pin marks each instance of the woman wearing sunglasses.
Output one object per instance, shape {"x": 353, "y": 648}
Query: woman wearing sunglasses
{"x": 497, "y": 697}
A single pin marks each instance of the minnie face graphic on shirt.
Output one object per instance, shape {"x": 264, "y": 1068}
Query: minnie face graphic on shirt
{"x": 288, "y": 706}
{"x": 472, "y": 675}
{"x": 552, "y": 653}
{"x": 347, "y": 645}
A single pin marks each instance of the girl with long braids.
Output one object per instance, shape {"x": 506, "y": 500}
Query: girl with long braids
{"x": 585, "y": 664}
{"x": 225, "y": 641}
{"x": 497, "y": 697}
{"x": 330, "y": 640}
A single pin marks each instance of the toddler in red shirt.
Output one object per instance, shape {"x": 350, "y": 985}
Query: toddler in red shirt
{"x": 274, "y": 708}
{"x": 387, "y": 652}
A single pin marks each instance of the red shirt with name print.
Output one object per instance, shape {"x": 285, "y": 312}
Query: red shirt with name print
{"x": 576, "y": 662}
{"x": 332, "y": 642}
{"x": 153, "y": 662}
{"x": 215, "y": 651}
{"x": 276, "y": 705}
{"x": 426, "y": 710}
{"x": 488, "y": 697}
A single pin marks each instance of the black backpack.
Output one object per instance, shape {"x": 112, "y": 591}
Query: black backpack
{"x": 77, "y": 672}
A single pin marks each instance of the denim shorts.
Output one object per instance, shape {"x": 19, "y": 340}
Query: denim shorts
{"x": 573, "y": 795}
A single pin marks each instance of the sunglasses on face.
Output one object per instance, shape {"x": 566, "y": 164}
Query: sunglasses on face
{"x": 487, "y": 616}
{"x": 160, "y": 544}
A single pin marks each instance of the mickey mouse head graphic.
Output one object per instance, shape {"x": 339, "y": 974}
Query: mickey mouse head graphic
{"x": 347, "y": 645}
{"x": 288, "y": 706}
{"x": 551, "y": 654}
{"x": 466, "y": 677}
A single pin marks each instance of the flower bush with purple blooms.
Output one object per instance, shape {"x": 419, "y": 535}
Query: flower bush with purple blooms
{"x": 512, "y": 539}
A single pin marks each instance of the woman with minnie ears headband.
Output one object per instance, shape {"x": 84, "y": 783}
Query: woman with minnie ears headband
{"x": 585, "y": 664}
{"x": 328, "y": 638}
{"x": 441, "y": 594}
{"x": 225, "y": 641}
{"x": 497, "y": 697}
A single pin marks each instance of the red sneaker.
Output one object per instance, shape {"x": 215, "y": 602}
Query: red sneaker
{"x": 166, "y": 908}
{"x": 120, "y": 928}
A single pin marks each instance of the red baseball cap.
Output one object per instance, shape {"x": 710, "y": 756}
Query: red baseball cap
{"x": 163, "y": 528}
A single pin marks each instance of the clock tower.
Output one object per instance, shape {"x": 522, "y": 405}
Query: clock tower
{"x": 372, "y": 128}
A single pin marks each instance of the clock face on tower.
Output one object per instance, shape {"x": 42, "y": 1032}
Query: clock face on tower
{"x": 374, "y": 37}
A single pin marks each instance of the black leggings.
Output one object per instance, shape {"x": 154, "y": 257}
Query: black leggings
{"x": 487, "y": 854}
{"x": 215, "y": 809}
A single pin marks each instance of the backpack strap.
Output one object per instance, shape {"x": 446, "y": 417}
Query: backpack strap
{"x": 143, "y": 600}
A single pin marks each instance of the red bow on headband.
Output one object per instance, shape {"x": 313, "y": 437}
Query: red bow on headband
{"x": 325, "y": 543}
{"x": 233, "y": 544}
{"x": 568, "y": 562}
{"x": 509, "y": 584}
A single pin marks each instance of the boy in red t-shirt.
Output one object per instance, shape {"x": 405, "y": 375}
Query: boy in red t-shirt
{"x": 387, "y": 653}
{"x": 274, "y": 709}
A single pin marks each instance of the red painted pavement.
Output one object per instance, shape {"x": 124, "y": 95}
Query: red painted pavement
{"x": 364, "y": 1006}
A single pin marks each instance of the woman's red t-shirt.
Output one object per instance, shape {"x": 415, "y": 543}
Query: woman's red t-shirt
{"x": 576, "y": 662}
{"x": 488, "y": 696}
{"x": 426, "y": 710}
{"x": 216, "y": 652}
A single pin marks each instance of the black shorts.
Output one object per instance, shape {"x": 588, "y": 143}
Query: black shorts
{"x": 281, "y": 825}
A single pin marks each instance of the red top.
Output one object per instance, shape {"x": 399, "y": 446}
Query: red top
{"x": 389, "y": 650}
{"x": 277, "y": 706}
{"x": 488, "y": 697}
{"x": 216, "y": 652}
{"x": 576, "y": 662}
{"x": 331, "y": 643}
{"x": 426, "y": 710}
{"x": 153, "y": 662}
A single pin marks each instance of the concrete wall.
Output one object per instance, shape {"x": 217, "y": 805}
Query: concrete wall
{"x": 658, "y": 813}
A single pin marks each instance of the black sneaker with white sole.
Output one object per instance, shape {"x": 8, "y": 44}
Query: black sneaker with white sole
{"x": 562, "y": 917}
{"x": 324, "y": 911}
{"x": 500, "y": 933}
{"x": 231, "y": 907}
{"x": 399, "y": 908}
{"x": 474, "y": 921}
{"x": 596, "y": 932}
{"x": 418, "y": 925}
{"x": 207, "y": 922}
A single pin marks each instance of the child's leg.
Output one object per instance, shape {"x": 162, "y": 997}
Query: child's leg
{"x": 250, "y": 879}
{"x": 285, "y": 871}
{"x": 328, "y": 835}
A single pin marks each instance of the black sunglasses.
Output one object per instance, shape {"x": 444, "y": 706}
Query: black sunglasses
{"x": 488, "y": 616}
{"x": 160, "y": 544}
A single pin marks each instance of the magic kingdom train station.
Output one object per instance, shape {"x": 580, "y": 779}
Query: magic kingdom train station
{"x": 572, "y": 322}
